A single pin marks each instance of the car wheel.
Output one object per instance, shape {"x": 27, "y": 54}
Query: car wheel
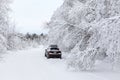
{"x": 60, "y": 57}
{"x": 45, "y": 55}
{"x": 48, "y": 57}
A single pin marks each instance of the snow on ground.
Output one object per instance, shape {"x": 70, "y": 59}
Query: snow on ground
{"x": 31, "y": 64}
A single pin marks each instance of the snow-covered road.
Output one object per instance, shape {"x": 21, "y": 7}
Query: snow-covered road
{"x": 32, "y": 65}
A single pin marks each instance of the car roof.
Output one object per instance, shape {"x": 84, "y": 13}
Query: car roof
{"x": 53, "y": 46}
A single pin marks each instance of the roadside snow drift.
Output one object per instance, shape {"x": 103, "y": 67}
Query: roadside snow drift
{"x": 32, "y": 65}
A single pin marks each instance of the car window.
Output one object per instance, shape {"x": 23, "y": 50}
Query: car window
{"x": 54, "y": 48}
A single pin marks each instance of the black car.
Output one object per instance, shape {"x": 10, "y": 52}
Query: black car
{"x": 53, "y": 52}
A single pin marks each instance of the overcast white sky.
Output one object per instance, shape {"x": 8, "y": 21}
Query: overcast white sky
{"x": 29, "y": 15}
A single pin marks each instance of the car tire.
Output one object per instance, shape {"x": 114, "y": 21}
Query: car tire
{"x": 60, "y": 57}
{"x": 45, "y": 55}
{"x": 48, "y": 57}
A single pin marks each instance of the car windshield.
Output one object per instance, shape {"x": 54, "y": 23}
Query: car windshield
{"x": 54, "y": 48}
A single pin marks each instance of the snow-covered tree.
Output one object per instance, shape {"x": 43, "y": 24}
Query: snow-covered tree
{"x": 4, "y": 24}
{"x": 89, "y": 29}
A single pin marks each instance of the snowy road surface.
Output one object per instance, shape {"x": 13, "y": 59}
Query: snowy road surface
{"x": 32, "y": 65}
